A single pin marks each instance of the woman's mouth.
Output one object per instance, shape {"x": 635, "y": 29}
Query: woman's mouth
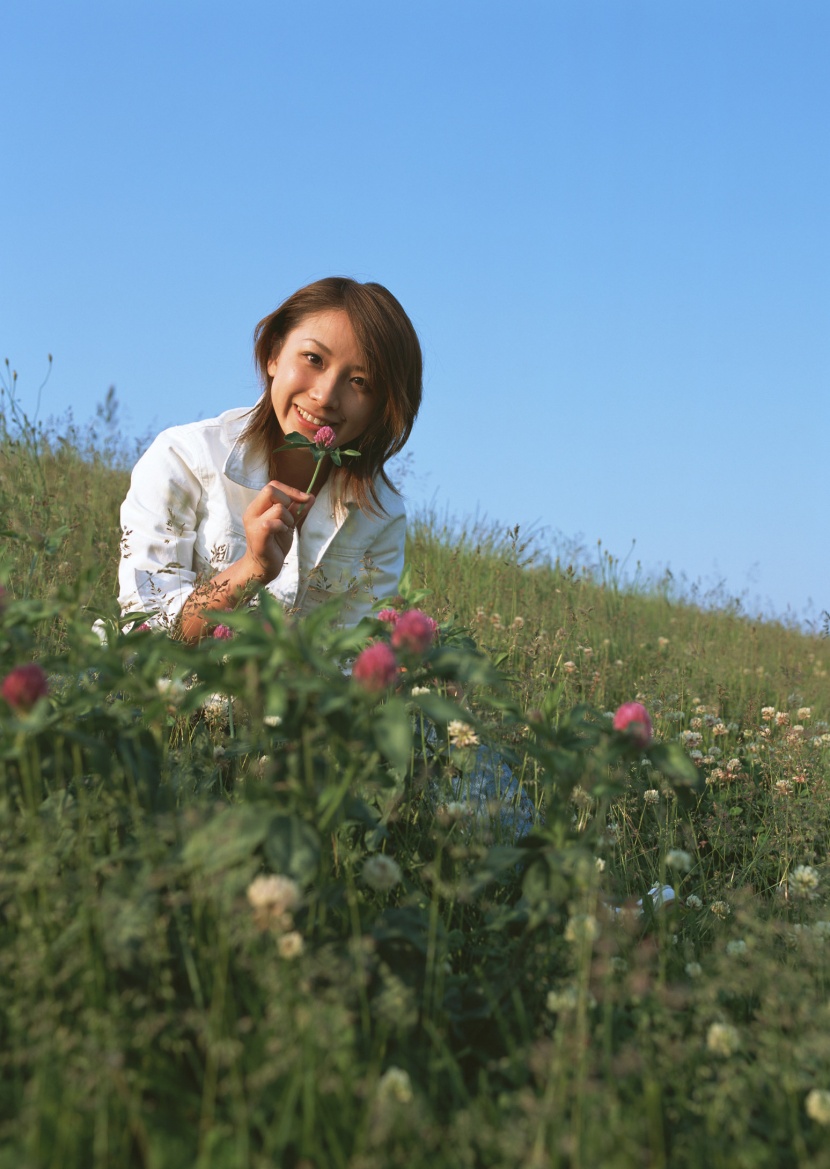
{"x": 310, "y": 419}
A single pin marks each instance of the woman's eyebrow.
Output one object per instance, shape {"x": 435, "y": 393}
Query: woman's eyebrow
{"x": 325, "y": 348}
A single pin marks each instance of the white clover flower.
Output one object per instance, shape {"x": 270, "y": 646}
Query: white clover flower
{"x": 803, "y": 881}
{"x": 275, "y": 893}
{"x": 700, "y": 709}
{"x": 518, "y": 623}
{"x": 215, "y": 706}
{"x": 219, "y": 753}
{"x": 662, "y": 642}
{"x": 736, "y": 947}
{"x": 781, "y": 718}
{"x": 569, "y": 667}
{"x": 381, "y": 873}
{"x": 720, "y": 909}
{"x": 290, "y": 945}
{"x": 817, "y": 1106}
{"x": 272, "y": 720}
{"x": 173, "y": 689}
{"x": 696, "y": 724}
{"x": 395, "y": 1085}
{"x": 723, "y": 1039}
{"x": 599, "y": 864}
{"x": 692, "y": 738}
{"x": 767, "y": 713}
{"x": 733, "y": 765}
{"x": 694, "y": 969}
{"x": 652, "y": 796}
{"x": 784, "y": 787}
{"x": 803, "y": 713}
{"x": 720, "y": 728}
{"x": 678, "y": 858}
{"x": 560, "y": 1001}
{"x": 582, "y": 927}
{"x": 693, "y": 902}
{"x": 417, "y": 691}
{"x": 461, "y": 734}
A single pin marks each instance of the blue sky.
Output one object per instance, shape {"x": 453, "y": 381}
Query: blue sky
{"x": 606, "y": 218}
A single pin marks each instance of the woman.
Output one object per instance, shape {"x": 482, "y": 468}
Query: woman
{"x": 217, "y": 510}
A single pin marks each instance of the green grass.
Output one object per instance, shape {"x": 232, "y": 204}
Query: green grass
{"x": 491, "y": 1007}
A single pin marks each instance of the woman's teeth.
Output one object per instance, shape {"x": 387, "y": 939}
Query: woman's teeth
{"x": 310, "y": 417}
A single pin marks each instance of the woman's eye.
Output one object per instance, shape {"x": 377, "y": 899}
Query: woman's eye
{"x": 360, "y": 382}
{"x": 314, "y": 358}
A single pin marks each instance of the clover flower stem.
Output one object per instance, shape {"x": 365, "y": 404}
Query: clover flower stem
{"x": 317, "y": 467}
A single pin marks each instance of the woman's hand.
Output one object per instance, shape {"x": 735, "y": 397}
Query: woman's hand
{"x": 269, "y": 523}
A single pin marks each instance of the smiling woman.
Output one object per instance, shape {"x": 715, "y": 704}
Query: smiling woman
{"x": 221, "y": 507}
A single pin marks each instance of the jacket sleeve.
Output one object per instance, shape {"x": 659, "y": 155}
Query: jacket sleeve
{"x": 158, "y": 525}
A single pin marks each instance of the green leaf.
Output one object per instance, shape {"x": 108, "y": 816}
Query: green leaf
{"x": 335, "y": 457}
{"x": 393, "y": 733}
{"x": 292, "y": 848}
{"x": 671, "y": 760}
{"x": 351, "y": 454}
{"x": 228, "y": 839}
{"x": 439, "y": 708}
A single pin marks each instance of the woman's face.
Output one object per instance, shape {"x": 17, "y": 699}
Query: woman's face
{"x": 318, "y": 379}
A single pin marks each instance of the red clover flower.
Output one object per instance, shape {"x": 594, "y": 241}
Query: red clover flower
{"x": 633, "y": 718}
{"x": 375, "y": 667}
{"x": 24, "y": 686}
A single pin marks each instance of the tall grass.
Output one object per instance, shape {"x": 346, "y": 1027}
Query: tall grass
{"x": 420, "y": 987}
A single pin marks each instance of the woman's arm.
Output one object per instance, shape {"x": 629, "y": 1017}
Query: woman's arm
{"x": 269, "y": 521}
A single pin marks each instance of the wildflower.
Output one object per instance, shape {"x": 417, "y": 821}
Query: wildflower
{"x": 633, "y": 718}
{"x": 803, "y": 881}
{"x": 694, "y": 969}
{"x": 290, "y": 945}
{"x": 678, "y": 858}
{"x": 736, "y": 947}
{"x": 582, "y": 927}
{"x": 784, "y": 787}
{"x": 781, "y": 718}
{"x": 569, "y": 667}
{"x": 723, "y": 1039}
{"x": 172, "y": 689}
{"x": 381, "y": 873}
{"x": 417, "y": 691}
{"x": 390, "y": 616}
{"x": 375, "y": 667}
{"x": 715, "y": 775}
{"x": 817, "y": 1106}
{"x": 414, "y": 632}
{"x": 720, "y": 909}
{"x": 276, "y": 894}
{"x": 272, "y": 720}
{"x": 696, "y": 724}
{"x": 803, "y": 713}
{"x": 692, "y": 738}
{"x": 461, "y": 734}
{"x": 222, "y": 633}
{"x": 733, "y": 765}
{"x": 720, "y": 728}
{"x": 559, "y": 1001}
{"x": 395, "y": 1085}
{"x": 218, "y": 753}
{"x": 599, "y": 864}
{"x": 662, "y": 642}
{"x": 767, "y": 713}
{"x": 518, "y": 623}
{"x": 325, "y": 437}
{"x": 457, "y": 810}
{"x": 652, "y": 796}
{"x": 24, "y": 685}
{"x": 700, "y": 709}
{"x": 693, "y": 902}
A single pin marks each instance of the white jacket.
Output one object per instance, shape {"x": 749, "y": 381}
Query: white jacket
{"x": 182, "y": 522}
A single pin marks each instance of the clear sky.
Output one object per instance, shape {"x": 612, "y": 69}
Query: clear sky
{"x": 608, "y": 220}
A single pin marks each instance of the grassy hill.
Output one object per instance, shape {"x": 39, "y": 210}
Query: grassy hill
{"x": 250, "y": 914}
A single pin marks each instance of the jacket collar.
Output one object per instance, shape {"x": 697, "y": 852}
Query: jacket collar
{"x": 249, "y": 468}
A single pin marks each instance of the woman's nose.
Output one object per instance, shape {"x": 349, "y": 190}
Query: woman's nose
{"x": 326, "y": 391}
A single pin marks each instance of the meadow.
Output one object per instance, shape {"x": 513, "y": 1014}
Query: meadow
{"x": 251, "y": 913}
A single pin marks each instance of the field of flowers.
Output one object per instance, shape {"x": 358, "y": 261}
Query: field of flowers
{"x": 253, "y": 911}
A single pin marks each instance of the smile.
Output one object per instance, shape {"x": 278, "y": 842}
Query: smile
{"x": 312, "y": 418}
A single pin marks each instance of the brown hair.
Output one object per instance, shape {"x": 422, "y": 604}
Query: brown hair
{"x": 391, "y": 354}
